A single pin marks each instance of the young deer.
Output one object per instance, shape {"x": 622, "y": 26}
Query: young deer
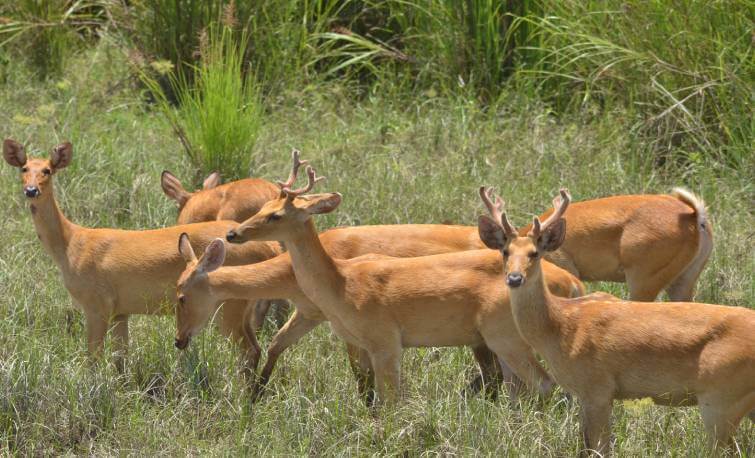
{"x": 113, "y": 273}
{"x": 235, "y": 201}
{"x": 204, "y": 285}
{"x": 600, "y": 349}
{"x": 384, "y": 305}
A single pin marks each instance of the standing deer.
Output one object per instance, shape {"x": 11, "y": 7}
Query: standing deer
{"x": 113, "y": 273}
{"x": 599, "y": 349}
{"x": 235, "y": 201}
{"x": 204, "y": 285}
{"x": 383, "y": 305}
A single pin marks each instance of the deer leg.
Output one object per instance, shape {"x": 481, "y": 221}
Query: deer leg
{"x": 96, "y": 324}
{"x": 644, "y": 286}
{"x": 235, "y": 323}
{"x": 386, "y": 362}
{"x": 517, "y": 355}
{"x": 361, "y": 367}
{"x": 119, "y": 333}
{"x": 595, "y": 420}
{"x": 288, "y": 335}
{"x": 261, "y": 307}
{"x": 490, "y": 376}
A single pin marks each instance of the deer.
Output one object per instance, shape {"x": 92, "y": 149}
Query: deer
{"x": 111, "y": 273}
{"x": 205, "y": 284}
{"x": 600, "y": 349}
{"x": 234, "y": 201}
{"x": 383, "y": 305}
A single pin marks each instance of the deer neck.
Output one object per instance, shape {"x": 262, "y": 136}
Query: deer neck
{"x": 536, "y": 313}
{"x": 255, "y": 281}
{"x": 316, "y": 272}
{"x": 52, "y": 227}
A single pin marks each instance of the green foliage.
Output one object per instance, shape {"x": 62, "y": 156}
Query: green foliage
{"x": 44, "y": 31}
{"x": 685, "y": 67}
{"x": 219, "y": 110}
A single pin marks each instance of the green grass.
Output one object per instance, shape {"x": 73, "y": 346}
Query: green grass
{"x": 396, "y": 160}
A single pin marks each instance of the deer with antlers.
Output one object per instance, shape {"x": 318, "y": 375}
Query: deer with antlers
{"x": 600, "y": 349}
{"x": 111, "y": 273}
{"x": 234, "y": 201}
{"x": 383, "y": 305}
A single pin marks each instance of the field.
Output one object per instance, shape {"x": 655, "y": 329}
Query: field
{"x": 398, "y": 155}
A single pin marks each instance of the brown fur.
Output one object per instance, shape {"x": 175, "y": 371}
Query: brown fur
{"x": 234, "y": 201}
{"x": 677, "y": 353}
{"x": 203, "y": 292}
{"x": 113, "y": 273}
{"x": 384, "y": 305}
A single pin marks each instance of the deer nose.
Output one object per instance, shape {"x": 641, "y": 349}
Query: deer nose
{"x": 514, "y": 279}
{"x": 181, "y": 343}
{"x": 230, "y": 235}
{"x": 31, "y": 191}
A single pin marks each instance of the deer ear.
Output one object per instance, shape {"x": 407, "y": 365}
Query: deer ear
{"x": 212, "y": 181}
{"x": 184, "y": 247}
{"x": 316, "y": 204}
{"x": 173, "y": 188}
{"x": 13, "y": 152}
{"x": 553, "y": 236}
{"x": 213, "y": 257}
{"x": 491, "y": 233}
{"x": 61, "y": 155}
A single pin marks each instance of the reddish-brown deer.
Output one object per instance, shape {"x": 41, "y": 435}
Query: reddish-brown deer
{"x": 600, "y": 349}
{"x": 113, "y": 273}
{"x": 384, "y": 305}
{"x": 234, "y": 201}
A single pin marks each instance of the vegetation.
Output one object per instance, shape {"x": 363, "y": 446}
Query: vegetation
{"x": 602, "y": 97}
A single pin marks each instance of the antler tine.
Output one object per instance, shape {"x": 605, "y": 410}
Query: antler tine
{"x": 294, "y": 170}
{"x": 560, "y": 204}
{"x": 492, "y": 202}
{"x": 312, "y": 180}
{"x": 495, "y": 206}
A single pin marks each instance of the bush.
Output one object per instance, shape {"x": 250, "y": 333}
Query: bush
{"x": 219, "y": 110}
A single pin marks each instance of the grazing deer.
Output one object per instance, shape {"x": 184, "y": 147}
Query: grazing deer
{"x": 384, "y": 305}
{"x": 599, "y": 349}
{"x": 204, "y": 286}
{"x": 113, "y": 273}
{"x": 235, "y": 201}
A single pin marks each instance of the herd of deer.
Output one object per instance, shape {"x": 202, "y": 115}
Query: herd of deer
{"x": 509, "y": 294}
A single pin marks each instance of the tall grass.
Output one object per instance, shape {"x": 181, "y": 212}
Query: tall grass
{"x": 44, "y": 31}
{"x": 685, "y": 68}
{"x": 219, "y": 111}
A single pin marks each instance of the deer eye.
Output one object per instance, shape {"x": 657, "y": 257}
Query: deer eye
{"x": 46, "y": 171}
{"x": 181, "y": 300}
{"x": 274, "y": 217}
{"x": 24, "y": 169}
{"x": 533, "y": 254}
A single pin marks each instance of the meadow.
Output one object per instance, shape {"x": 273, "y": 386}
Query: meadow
{"x": 402, "y": 146}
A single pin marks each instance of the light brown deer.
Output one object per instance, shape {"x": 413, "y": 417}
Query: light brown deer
{"x": 384, "y": 305}
{"x": 234, "y": 201}
{"x": 677, "y": 353}
{"x": 113, "y": 273}
{"x": 204, "y": 286}
{"x": 612, "y": 236}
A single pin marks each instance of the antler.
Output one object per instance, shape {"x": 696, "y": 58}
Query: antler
{"x": 495, "y": 206}
{"x": 312, "y": 180}
{"x": 560, "y": 204}
{"x": 294, "y": 170}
